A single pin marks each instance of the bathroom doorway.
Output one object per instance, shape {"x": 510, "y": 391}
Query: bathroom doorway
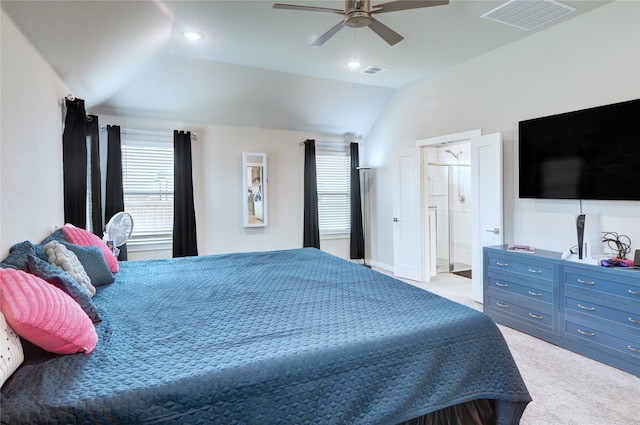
{"x": 448, "y": 172}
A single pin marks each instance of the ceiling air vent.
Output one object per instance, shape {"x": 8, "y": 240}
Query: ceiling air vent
{"x": 528, "y": 14}
{"x": 373, "y": 70}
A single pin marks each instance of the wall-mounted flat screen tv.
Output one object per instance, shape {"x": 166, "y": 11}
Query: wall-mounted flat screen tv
{"x": 588, "y": 154}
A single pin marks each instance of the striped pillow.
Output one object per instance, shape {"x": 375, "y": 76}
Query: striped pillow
{"x": 83, "y": 237}
{"x": 43, "y": 314}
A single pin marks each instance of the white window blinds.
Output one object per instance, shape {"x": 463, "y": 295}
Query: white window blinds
{"x": 147, "y": 174}
{"x": 333, "y": 179}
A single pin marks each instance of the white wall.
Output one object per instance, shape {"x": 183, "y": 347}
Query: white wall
{"x": 30, "y": 142}
{"x": 586, "y": 61}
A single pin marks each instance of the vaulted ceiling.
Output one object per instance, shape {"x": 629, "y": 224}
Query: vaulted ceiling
{"x": 254, "y": 66}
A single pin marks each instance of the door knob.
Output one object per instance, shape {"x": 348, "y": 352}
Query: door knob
{"x": 494, "y": 230}
{"x": 395, "y": 219}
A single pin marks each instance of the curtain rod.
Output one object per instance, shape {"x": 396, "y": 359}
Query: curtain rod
{"x": 69, "y": 97}
{"x": 134, "y": 131}
{"x": 332, "y": 142}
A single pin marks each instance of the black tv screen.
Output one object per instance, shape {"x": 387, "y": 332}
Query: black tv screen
{"x": 588, "y": 154}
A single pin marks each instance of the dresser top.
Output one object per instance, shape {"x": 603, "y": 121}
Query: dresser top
{"x": 541, "y": 254}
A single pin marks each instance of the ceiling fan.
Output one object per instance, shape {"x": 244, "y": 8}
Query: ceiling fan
{"x": 359, "y": 13}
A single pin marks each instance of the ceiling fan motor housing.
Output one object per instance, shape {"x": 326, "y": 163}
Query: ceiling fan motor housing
{"x": 357, "y": 13}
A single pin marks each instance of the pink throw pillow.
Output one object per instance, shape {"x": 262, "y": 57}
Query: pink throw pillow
{"x": 43, "y": 314}
{"x": 83, "y": 237}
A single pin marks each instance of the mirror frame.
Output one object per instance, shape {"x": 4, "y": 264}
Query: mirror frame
{"x": 249, "y": 161}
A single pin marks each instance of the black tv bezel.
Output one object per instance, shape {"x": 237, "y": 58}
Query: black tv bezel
{"x": 628, "y": 107}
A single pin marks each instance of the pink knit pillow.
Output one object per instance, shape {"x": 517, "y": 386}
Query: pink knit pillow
{"x": 43, "y": 314}
{"x": 83, "y": 237}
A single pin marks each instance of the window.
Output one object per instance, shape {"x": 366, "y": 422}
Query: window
{"x": 333, "y": 171}
{"x": 147, "y": 180}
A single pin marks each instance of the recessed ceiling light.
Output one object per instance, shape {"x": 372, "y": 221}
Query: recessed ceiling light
{"x": 191, "y": 35}
{"x": 354, "y": 63}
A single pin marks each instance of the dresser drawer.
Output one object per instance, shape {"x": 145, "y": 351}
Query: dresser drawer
{"x": 537, "y": 316}
{"x": 621, "y": 314}
{"x": 538, "y": 291}
{"x": 523, "y": 264}
{"x": 596, "y": 336}
{"x": 582, "y": 280}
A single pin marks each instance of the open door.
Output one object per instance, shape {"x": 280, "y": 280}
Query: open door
{"x": 486, "y": 192}
{"x": 407, "y": 214}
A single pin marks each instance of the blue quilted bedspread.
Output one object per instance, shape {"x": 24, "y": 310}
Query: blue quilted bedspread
{"x": 282, "y": 337}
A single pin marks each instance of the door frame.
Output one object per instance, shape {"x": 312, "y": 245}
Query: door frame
{"x": 446, "y": 139}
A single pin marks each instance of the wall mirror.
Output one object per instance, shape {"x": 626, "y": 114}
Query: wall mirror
{"x": 254, "y": 198}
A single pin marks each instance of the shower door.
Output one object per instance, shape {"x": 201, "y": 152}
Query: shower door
{"x": 449, "y": 188}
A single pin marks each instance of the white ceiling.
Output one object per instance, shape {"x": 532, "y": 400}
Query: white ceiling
{"x": 254, "y": 66}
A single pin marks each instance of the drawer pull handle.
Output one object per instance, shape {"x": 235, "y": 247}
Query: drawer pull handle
{"x": 633, "y": 292}
{"x": 580, "y": 331}
{"x": 586, "y": 282}
{"x": 535, "y": 316}
{"x": 634, "y": 321}
{"x": 535, "y": 271}
{"x": 584, "y": 307}
{"x": 502, "y": 264}
{"x": 634, "y": 349}
{"x": 535, "y": 294}
{"x": 499, "y": 304}
{"x": 503, "y": 285}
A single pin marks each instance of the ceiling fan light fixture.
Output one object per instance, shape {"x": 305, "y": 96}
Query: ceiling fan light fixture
{"x": 192, "y": 35}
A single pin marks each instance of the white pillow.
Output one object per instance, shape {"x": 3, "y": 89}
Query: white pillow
{"x": 66, "y": 260}
{"x": 11, "y": 354}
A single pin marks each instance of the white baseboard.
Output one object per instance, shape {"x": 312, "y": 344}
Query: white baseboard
{"x": 386, "y": 267}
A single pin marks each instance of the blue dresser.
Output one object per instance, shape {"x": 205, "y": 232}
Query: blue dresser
{"x": 592, "y": 310}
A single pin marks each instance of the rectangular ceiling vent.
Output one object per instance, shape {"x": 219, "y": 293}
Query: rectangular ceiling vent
{"x": 528, "y": 14}
{"x": 373, "y": 70}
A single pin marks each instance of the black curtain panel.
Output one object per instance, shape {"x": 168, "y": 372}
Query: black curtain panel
{"x": 184, "y": 215}
{"x": 114, "y": 196}
{"x": 74, "y": 159}
{"x": 95, "y": 176}
{"x": 311, "y": 235}
{"x": 357, "y": 234}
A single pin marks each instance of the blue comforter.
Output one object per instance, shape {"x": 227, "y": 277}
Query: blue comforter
{"x": 282, "y": 337}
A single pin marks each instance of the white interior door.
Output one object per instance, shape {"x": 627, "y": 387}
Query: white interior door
{"x": 486, "y": 192}
{"x": 407, "y": 213}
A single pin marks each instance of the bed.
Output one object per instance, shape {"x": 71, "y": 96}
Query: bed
{"x": 281, "y": 337}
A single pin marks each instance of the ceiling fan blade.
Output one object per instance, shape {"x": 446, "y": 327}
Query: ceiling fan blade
{"x": 394, "y": 6}
{"x": 307, "y": 8}
{"x": 327, "y": 35}
{"x": 387, "y": 34}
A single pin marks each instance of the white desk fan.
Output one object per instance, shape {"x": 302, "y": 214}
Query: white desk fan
{"x": 118, "y": 230}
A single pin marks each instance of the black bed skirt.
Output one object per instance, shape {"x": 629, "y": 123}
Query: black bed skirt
{"x": 474, "y": 412}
